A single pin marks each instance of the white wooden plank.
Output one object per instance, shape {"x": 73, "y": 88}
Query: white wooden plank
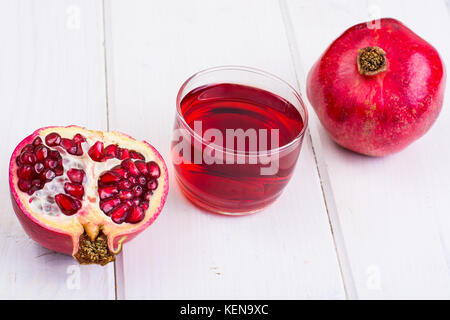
{"x": 391, "y": 213}
{"x": 286, "y": 251}
{"x": 52, "y": 63}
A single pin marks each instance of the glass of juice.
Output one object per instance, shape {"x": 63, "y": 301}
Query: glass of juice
{"x": 237, "y": 137}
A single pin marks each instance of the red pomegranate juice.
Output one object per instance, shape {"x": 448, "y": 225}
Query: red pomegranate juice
{"x": 233, "y": 186}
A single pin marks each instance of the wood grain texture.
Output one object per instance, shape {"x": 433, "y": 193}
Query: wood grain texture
{"x": 286, "y": 251}
{"x": 391, "y": 214}
{"x": 52, "y": 74}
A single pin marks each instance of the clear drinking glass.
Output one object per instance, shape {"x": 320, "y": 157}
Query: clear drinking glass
{"x": 237, "y": 137}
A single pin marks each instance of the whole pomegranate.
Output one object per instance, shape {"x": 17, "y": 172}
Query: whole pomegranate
{"x": 377, "y": 88}
{"x": 84, "y": 192}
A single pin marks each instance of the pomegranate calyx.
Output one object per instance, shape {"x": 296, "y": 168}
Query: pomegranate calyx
{"x": 94, "y": 251}
{"x": 371, "y": 61}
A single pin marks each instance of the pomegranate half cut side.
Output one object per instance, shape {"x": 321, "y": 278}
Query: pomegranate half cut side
{"x": 85, "y": 193}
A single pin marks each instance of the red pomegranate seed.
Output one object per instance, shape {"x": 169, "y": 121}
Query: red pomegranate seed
{"x": 121, "y": 172}
{"x": 41, "y": 153}
{"x": 28, "y": 158}
{"x": 96, "y": 152}
{"x": 74, "y": 189}
{"x": 38, "y": 168}
{"x": 109, "y": 177}
{"x": 78, "y": 138}
{"x": 124, "y": 184}
{"x": 107, "y": 192}
{"x": 145, "y": 205}
{"x": 53, "y": 139}
{"x": 123, "y": 154}
{"x": 142, "y": 180}
{"x": 59, "y": 171}
{"x": 28, "y": 148}
{"x": 48, "y": 175}
{"x": 53, "y": 154}
{"x": 136, "y": 155}
{"x": 132, "y": 180}
{"x": 137, "y": 191}
{"x": 111, "y": 150}
{"x": 69, "y": 146}
{"x": 24, "y": 185}
{"x": 152, "y": 185}
{"x": 50, "y": 163}
{"x": 136, "y": 215}
{"x": 153, "y": 169}
{"x": 67, "y": 204}
{"x": 108, "y": 205}
{"x": 148, "y": 195}
{"x": 37, "y": 141}
{"x": 125, "y": 195}
{"x": 142, "y": 167}
{"x": 37, "y": 183}
{"x": 119, "y": 214}
{"x": 136, "y": 201}
{"x": 25, "y": 172}
{"x": 76, "y": 175}
{"x": 79, "y": 151}
{"x": 129, "y": 165}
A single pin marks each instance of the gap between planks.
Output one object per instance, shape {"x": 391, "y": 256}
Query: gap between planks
{"x": 327, "y": 194}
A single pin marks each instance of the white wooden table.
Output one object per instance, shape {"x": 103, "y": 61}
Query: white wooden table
{"x": 346, "y": 227}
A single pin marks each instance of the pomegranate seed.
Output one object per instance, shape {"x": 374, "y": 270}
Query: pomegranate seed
{"x": 119, "y": 214}
{"x": 74, "y": 189}
{"x": 28, "y": 158}
{"x": 137, "y": 191}
{"x": 145, "y": 205}
{"x": 50, "y": 163}
{"x": 37, "y": 141}
{"x": 96, "y": 152}
{"x": 142, "y": 180}
{"x": 109, "y": 205}
{"x": 111, "y": 150}
{"x": 37, "y": 183}
{"x": 28, "y": 148}
{"x": 53, "y": 139}
{"x": 25, "y": 172}
{"x": 153, "y": 169}
{"x": 152, "y": 185}
{"x": 24, "y": 185}
{"x": 59, "y": 171}
{"x": 136, "y": 215}
{"x": 38, "y": 168}
{"x": 136, "y": 155}
{"x": 125, "y": 195}
{"x": 129, "y": 203}
{"x": 48, "y": 175}
{"x": 76, "y": 175}
{"x": 142, "y": 167}
{"x": 41, "y": 153}
{"x": 79, "y": 151}
{"x": 107, "y": 192}
{"x": 148, "y": 195}
{"x": 132, "y": 180}
{"x": 129, "y": 165}
{"x": 69, "y": 146}
{"x": 53, "y": 154}
{"x": 78, "y": 138}
{"x": 109, "y": 177}
{"x": 121, "y": 172}
{"x": 67, "y": 204}
{"x": 136, "y": 201}
{"x": 124, "y": 184}
{"x": 123, "y": 154}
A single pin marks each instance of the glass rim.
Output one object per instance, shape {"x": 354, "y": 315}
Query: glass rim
{"x": 250, "y": 70}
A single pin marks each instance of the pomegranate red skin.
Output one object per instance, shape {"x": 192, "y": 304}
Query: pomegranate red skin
{"x": 53, "y": 239}
{"x": 380, "y": 114}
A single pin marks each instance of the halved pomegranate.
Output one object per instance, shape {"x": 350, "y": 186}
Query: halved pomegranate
{"x": 84, "y": 192}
